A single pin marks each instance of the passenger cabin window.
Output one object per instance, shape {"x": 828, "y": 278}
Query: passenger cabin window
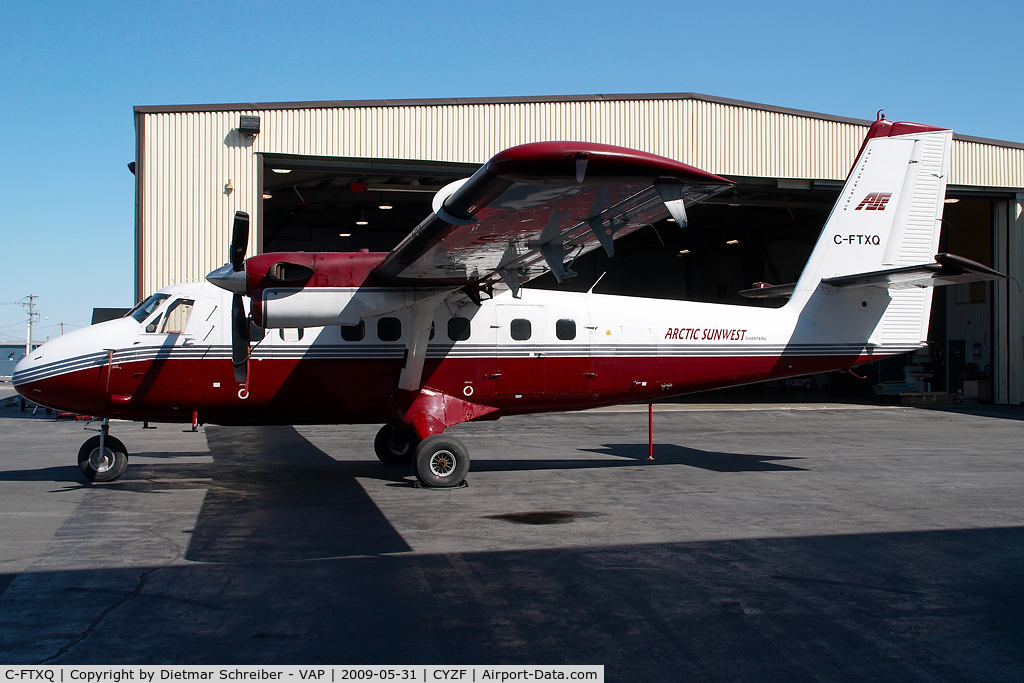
{"x": 145, "y": 308}
{"x": 565, "y": 329}
{"x": 521, "y": 329}
{"x": 176, "y": 317}
{"x": 354, "y": 333}
{"x": 458, "y": 329}
{"x": 389, "y": 329}
{"x": 291, "y": 334}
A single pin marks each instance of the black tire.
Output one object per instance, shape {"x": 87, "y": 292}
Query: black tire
{"x": 107, "y": 468}
{"x": 24, "y": 405}
{"x": 441, "y": 461}
{"x": 395, "y": 445}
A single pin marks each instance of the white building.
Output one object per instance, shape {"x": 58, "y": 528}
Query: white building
{"x": 317, "y": 175}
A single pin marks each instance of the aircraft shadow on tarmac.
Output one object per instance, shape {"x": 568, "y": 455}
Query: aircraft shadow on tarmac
{"x": 671, "y": 454}
{"x": 271, "y": 495}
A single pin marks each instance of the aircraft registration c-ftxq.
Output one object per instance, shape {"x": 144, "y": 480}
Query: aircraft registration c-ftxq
{"x": 440, "y": 330}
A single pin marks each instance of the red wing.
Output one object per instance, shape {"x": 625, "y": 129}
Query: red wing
{"x": 532, "y": 206}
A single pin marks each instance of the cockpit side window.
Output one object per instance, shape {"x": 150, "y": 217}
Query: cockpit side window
{"x": 144, "y": 309}
{"x": 176, "y": 317}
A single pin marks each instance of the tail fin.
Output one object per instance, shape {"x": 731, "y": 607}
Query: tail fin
{"x": 888, "y": 215}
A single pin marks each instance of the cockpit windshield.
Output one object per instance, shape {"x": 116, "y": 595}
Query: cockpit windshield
{"x": 142, "y": 311}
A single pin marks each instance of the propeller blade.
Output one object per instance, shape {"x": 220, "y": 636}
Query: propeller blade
{"x": 239, "y": 240}
{"x": 239, "y": 338}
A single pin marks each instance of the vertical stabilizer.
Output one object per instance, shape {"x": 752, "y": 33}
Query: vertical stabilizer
{"x": 888, "y": 215}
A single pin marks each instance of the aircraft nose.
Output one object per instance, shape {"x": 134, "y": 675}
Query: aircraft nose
{"x": 22, "y": 377}
{"x": 63, "y": 373}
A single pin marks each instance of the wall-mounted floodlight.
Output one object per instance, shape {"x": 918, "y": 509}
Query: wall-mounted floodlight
{"x": 249, "y": 125}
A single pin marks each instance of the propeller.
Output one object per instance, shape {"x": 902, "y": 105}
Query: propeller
{"x": 231, "y": 276}
{"x": 239, "y": 338}
{"x": 239, "y": 322}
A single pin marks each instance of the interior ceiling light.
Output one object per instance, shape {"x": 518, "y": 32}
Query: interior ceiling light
{"x": 732, "y": 241}
{"x": 267, "y": 195}
{"x": 385, "y": 206}
{"x": 361, "y": 219}
{"x": 281, "y": 170}
{"x": 951, "y": 200}
{"x": 684, "y": 251}
{"x": 344, "y": 234}
{"x": 670, "y": 219}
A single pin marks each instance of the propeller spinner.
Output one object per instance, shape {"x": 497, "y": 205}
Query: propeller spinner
{"x": 231, "y": 276}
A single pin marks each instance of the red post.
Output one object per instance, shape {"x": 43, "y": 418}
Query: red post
{"x": 650, "y": 430}
{"x": 195, "y": 421}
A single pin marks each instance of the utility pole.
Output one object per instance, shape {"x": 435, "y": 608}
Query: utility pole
{"x": 31, "y": 319}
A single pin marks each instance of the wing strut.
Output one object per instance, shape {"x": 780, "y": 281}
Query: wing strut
{"x": 419, "y": 336}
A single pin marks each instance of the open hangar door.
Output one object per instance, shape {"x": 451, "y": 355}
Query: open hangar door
{"x": 762, "y": 230}
{"x": 755, "y": 232}
{"x": 961, "y": 332}
{"x": 331, "y": 204}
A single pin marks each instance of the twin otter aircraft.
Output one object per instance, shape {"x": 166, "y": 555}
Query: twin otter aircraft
{"x": 440, "y": 331}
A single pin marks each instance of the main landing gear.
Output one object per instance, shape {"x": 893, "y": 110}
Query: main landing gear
{"x": 441, "y": 461}
{"x": 103, "y": 458}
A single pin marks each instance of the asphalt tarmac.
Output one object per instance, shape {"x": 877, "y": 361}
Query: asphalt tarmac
{"x": 774, "y": 543}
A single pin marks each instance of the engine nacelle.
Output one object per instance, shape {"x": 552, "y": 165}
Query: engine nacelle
{"x": 321, "y": 306}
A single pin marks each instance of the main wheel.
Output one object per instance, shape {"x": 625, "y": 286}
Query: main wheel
{"x": 395, "y": 445}
{"x": 105, "y": 466}
{"x": 441, "y": 461}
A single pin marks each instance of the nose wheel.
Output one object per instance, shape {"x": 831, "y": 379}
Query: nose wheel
{"x": 103, "y": 458}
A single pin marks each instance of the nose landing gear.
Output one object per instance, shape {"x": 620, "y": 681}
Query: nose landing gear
{"x": 103, "y": 458}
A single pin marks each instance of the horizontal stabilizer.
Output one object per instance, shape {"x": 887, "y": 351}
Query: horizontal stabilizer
{"x": 948, "y": 269}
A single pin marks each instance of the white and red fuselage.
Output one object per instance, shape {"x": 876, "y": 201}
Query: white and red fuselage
{"x": 546, "y": 351}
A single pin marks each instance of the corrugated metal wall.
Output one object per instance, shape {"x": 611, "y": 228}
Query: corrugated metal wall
{"x": 187, "y": 159}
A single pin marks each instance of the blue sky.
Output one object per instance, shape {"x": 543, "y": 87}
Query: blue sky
{"x": 70, "y": 74}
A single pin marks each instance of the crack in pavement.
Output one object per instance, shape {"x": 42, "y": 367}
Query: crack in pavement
{"x": 85, "y": 634}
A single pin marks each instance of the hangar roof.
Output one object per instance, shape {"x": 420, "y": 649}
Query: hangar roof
{"x": 463, "y": 101}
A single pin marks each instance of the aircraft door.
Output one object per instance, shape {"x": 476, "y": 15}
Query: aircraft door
{"x": 568, "y": 371}
{"x": 520, "y": 351}
{"x": 636, "y": 359}
{"x": 169, "y": 372}
{"x": 542, "y": 351}
{"x": 602, "y": 359}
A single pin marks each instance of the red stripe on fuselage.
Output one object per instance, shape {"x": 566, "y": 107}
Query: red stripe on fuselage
{"x": 350, "y": 391}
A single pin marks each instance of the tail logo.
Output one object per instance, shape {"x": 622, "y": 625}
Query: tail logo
{"x": 874, "y": 201}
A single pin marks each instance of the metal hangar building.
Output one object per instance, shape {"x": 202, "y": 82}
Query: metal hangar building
{"x": 347, "y": 175}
